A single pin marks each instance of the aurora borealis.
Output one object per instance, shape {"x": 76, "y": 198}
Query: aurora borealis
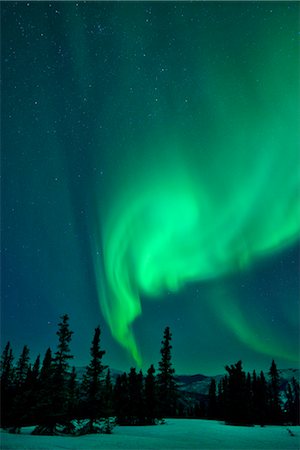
{"x": 179, "y": 227}
{"x": 151, "y": 177}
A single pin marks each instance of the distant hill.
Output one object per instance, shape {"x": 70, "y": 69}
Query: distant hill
{"x": 196, "y": 386}
{"x": 200, "y": 383}
{"x": 81, "y": 371}
{"x": 196, "y": 383}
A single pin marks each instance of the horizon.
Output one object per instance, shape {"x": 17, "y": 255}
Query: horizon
{"x": 83, "y": 365}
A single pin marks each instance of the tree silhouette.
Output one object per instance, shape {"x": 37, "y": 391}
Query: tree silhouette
{"x": 32, "y": 386}
{"x": 20, "y": 410}
{"x": 135, "y": 398}
{"x": 261, "y": 400}
{"x": 73, "y": 395}
{"x": 7, "y": 384}
{"x": 292, "y": 404}
{"x": 151, "y": 396}
{"x": 167, "y": 388}
{"x": 275, "y": 412}
{"x": 108, "y": 396}
{"x": 236, "y": 393}
{"x": 61, "y": 365}
{"x": 121, "y": 399}
{"x": 59, "y": 381}
{"x": 44, "y": 397}
{"x": 212, "y": 400}
{"x": 93, "y": 385}
{"x": 22, "y": 367}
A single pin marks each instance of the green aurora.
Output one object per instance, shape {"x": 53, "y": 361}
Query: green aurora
{"x": 206, "y": 191}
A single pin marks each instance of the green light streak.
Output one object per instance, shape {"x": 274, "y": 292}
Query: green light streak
{"x": 250, "y": 329}
{"x": 172, "y": 231}
{"x": 209, "y": 192}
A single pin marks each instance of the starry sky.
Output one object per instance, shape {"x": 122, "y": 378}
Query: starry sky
{"x": 150, "y": 178}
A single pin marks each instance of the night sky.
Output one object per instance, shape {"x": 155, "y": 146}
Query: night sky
{"x": 150, "y": 177}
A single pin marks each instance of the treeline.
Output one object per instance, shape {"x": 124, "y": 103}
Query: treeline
{"x": 49, "y": 394}
{"x": 242, "y": 398}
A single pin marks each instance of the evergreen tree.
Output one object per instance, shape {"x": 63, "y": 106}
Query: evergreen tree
{"x": 167, "y": 388}
{"x": 108, "y": 395}
{"x": 47, "y": 369}
{"x": 6, "y": 367}
{"x": 151, "y": 397}
{"x": 255, "y": 398}
{"x": 36, "y": 369}
{"x": 121, "y": 399}
{"x": 135, "y": 398}
{"x": 54, "y": 383}
{"x": 296, "y": 402}
{"x": 249, "y": 415}
{"x": 27, "y": 399}
{"x": 61, "y": 374}
{"x": 289, "y": 402}
{"x": 20, "y": 407}
{"x": 44, "y": 409}
{"x": 236, "y": 394}
{"x": 93, "y": 383}
{"x": 212, "y": 400}
{"x": 292, "y": 404}
{"x": 7, "y": 384}
{"x": 108, "y": 404}
{"x": 200, "y": 410}
{"x": 275, "y": 412}
{"x": 222, "y": 398}
{"x": 30, "y": 392}
{"x": 262, "y": 399}
{"x": 22, "y": 367}
{"x": 73, "y": 395}
{"x": 62, "y": 355}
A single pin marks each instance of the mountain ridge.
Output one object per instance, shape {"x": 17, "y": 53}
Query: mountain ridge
{"x": 199, "y": 384}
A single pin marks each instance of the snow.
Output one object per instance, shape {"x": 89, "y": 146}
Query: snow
{"x": 176, "y": 434}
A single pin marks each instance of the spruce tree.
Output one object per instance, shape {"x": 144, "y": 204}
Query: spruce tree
{"x": 6, "y": 366}
{"x": 7, "y": 384}
{"x": 20, "y": 407}
{"x": 32, "y": 391}
{"x": 296, "y": 405}
{"x": 121, "y": 399}
{"x": 167, "y": 388}
{"x": 108, "y": 396}
{"x": 249, "y": 415}
{"x": 262, "y": 399}
{"x": 235, "y": 412}
{"x": 54, "y": 380}
{"x": 22, "y": 367}
{"x": 26, "y": 398}
{"x": 62, "y": 371}
{"x": 73, "y": 395}
{"x": 47, "y": 368}
{"x": 292, "y": 403}
{"x": 135, "y": 398}
{"x": 212, "y": 400}
{"x": 275, "y": 412}
{"x": 222, "y": 398}
{"x": 151, "y": 397}
{"x": 62, "y": 355}
{"x": 44, "y": 410}
{"x": 93, "y": 383}
{"x": 255, "y": 397}
{"x": 36, "y": 369}
{"x": 296, "y": 402}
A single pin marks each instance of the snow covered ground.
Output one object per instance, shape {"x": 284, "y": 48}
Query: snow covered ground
{"x": 176, "y": 434}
